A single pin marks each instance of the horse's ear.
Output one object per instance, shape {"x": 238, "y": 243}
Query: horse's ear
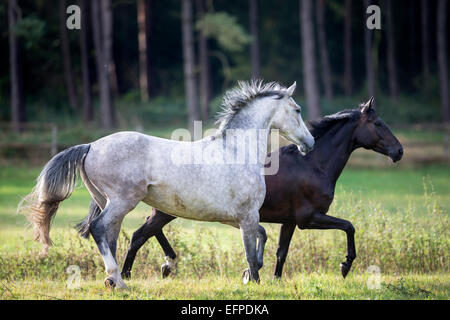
{"x": 369, "y": 105}
{"x": 290, "y": 91}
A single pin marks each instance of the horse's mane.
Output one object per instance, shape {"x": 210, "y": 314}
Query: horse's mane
{"x": 321, "y": 126}
{"x": 245, "y": 92}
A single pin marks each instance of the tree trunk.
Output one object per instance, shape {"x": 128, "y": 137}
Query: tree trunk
{"x": 189, "y": 63}
{"x": 205, "y": 90}
{"x": 413, "y": 50}
{"x": 442, "y": 58}
{"x": 392, "y": 71}
{"x": 348, "y": 79}
{"x": 254, "y": 30}
{"x": 102, "y": 27}
{"x": 142, "y": 40}
{"x": 425, "y": 42}
{"x": 67, "y": 60}
{"x": 148, "y": 32}
{"x": 370, "y": 71}
{"x": 309, "y": 62}
{"x": 111, "y": 77}
{"x": 323, "y": 49}
{"x": 88, "y": 111}
{"x": 18, "y": 112}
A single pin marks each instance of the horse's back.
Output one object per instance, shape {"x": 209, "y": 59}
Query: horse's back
{"x": 120, "y": 163}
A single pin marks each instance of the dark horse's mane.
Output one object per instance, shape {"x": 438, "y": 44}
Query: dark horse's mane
{"x": 321, "y": 126}
{"x": 318, "y": 128}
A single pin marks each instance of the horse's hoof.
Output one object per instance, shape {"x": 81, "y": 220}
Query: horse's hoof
{"x": 345, "y": 268}
{"x": 121, "y": 285}
{"x": 126, "y": 275}
{"x": 245, "y": 276}
{"x": 110, "y": 283}
{"x": 165, "y": 270}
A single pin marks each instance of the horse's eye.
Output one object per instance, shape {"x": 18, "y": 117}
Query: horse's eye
{"x": 298, "y": 110}
{"x": 378, "y": 123}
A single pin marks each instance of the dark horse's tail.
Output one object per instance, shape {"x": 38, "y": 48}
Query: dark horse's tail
{"x": 54, "y": 184}
{"x": 83, "y": 226}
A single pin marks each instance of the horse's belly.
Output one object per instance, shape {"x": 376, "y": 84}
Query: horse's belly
{"x": 185, "y": 207}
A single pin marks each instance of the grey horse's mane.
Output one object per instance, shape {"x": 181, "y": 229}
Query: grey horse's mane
{"x": 245, "y": 92}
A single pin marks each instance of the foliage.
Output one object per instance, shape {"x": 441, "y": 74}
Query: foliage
{"x": 226, "y": 24}
{"x": 224, "y": 28}
{"x": 31, "y": 29}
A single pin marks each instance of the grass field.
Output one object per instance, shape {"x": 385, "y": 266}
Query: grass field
{"x": 402, "y": 227}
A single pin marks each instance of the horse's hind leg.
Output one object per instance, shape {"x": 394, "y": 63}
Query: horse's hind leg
{"x": 112, "y": 235}
{"x": 166, "y": 267}
{"x": 105, "y": 230}
{"x": 152, "y": 227}
{"x": 286, "y": 232}
{"x": 262, "y": 238}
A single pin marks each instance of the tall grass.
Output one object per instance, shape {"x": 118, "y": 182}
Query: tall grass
{"x": 405, "y": 242}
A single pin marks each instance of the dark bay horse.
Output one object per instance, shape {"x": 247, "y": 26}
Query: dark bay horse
{"x": 302, "y": 191}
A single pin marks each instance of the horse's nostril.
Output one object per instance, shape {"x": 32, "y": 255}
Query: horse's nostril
{"x": 400, "y": 151}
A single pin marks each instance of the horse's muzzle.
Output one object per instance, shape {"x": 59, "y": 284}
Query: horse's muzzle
{"x": 305, "y": 148}
{"x": 396, "y": 155}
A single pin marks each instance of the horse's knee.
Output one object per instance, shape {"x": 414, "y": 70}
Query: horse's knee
{"x": 350, "y": 229}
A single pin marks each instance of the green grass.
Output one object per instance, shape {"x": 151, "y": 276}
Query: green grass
{"x": 400, "y": 215}
{"x": 302, "y": 286}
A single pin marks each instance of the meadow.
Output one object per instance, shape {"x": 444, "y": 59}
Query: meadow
{"x": 400, "y": 215}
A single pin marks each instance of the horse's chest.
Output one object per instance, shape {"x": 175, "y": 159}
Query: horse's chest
{"x": 324, "y": 198}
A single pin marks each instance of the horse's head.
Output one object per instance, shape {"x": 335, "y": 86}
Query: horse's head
{"x": 288, "y": 120}
{"x": 372, "y": 133}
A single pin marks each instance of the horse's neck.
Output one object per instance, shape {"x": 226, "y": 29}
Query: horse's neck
{"x": 256, "y": 115}
{"x": 333, "y": 151}
{"x": 252, "y": 121}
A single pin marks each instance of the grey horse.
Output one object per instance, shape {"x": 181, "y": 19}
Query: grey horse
{"x": 200, "y": 180}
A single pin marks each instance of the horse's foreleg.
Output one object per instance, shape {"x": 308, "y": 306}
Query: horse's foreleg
{"x": 321, "y": 221}
{"x": 249, "y": 232}
{"x": 284, "y": 240}
{"x": 153, "y": 226}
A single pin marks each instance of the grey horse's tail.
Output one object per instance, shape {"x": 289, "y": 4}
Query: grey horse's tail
{"x": 83, "y": 226}
{"x": 54, "y": 184}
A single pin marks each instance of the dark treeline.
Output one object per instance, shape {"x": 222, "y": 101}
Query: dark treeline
{"x": 194, "y": 49}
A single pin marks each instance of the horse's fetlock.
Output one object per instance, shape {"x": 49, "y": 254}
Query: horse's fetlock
{"x": 351, "y": 257}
